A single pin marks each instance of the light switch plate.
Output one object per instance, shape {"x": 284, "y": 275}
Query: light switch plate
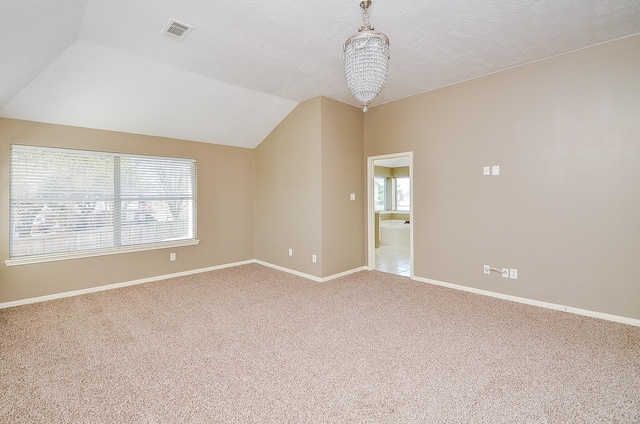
{"x": 495, "y": 170}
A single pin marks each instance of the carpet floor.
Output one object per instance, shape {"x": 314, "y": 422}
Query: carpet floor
{"x": 255, "y": 345}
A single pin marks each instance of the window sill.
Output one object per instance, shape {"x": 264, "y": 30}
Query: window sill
{"x": 36, "y": 259}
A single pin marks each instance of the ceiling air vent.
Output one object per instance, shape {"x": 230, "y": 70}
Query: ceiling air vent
{"x": 176, "y": 30}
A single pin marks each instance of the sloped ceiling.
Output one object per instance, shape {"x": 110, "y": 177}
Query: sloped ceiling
{"x": 246, "y": 64}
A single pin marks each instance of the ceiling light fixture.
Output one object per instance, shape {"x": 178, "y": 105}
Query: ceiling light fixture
{"x": 366, "y": 59}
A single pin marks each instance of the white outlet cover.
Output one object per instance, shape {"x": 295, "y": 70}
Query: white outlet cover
{"x": 505, "y": 272}
{"x": 513, "y": 273}
{"x": 495, "y": 170}
{"x": 487, "y": 269}
{"x": 486, "y": 170}
{"x": 352, "y": 196}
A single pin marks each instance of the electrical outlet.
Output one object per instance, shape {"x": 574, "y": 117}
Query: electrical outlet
{"x": 172, "y": 256}
{"x": 505, "y": 272}
{"x": 513, "y": 273}
{"x": 495, "y": 170}
{"x": 314, "y": 259}
{"x": 486, "y": 170}
{"x": 290, "y": 252}
{"x": 487, "y": 269}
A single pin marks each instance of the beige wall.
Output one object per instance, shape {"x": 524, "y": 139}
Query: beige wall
{"x": 565, "y": 210}
{"x": 401, "y": 171}
{"x": 343, "y": 173}
{"x": 382, "y": 171}
{"x": 288, "y": 206}
{"x": 306, "y": 170}
{"x": 225, "y": 211}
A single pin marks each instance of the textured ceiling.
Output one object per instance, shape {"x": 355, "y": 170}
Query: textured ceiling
{"x": 246, "y": 64}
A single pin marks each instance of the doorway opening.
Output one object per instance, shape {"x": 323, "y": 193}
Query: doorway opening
{"x": 390, "y": 213}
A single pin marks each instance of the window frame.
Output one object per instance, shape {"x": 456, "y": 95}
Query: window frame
{"x": 121, "y": 248}
{"x": 390, "y": 186}
{"x": 384, "y": 194}
{"x": 395, "y": 195}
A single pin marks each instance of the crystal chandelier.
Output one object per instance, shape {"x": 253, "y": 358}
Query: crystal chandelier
{"x": 366, "y": 59}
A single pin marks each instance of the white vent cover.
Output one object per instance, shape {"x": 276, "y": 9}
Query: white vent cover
{"x": 176, "y": 30}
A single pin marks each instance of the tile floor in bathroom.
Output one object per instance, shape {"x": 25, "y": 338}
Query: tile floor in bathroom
{"x": 394, "y": 259}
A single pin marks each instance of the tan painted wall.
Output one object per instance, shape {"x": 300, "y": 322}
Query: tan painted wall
{"x": 225, "y": 211}
{"x": 306, "y": 170}
{"x": 382, "y": 171}
{"x": 343, "y": 173}
{"x": 288, "y": 184}
{"x": 401, "y": 171}
{"x": 565, "y": 210}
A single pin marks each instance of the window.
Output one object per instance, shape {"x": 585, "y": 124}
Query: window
{"x": 399, "y": 198}
{"x": 379, "y": 189}
{"x": 71, "y": 203}
{"x": 403, "y": 194}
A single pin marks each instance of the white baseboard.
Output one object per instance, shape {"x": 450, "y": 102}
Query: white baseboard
{"x": 309, "y": 276}
{"x": 166, "y": 277}
{"x": 117, "y": 285}
{"x": 541, "y": 304}
{"x": 547, "y": 305}
{"x": 342, "y": 274}
{"x": 290, "y": 271}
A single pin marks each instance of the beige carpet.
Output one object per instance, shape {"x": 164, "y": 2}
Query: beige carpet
{"x": 255, "y": 345}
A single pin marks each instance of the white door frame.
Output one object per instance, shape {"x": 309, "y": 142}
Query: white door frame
{"x": 371, "y": 247}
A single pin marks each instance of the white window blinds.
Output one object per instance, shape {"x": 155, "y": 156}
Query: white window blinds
{"x": 65, "y": 201}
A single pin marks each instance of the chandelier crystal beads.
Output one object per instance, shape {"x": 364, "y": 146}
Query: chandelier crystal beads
{"x": 366, "y": 59}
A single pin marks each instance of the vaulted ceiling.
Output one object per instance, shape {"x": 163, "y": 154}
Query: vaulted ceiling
{"x": 246, "y": 63}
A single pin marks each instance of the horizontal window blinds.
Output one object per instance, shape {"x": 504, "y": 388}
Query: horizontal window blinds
{"x": 65, "y": 201}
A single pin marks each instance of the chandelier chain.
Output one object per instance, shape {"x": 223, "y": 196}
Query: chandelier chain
{"x": 365, "y": 18}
